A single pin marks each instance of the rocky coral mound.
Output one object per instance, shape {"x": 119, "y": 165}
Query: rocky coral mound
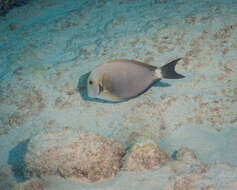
{"x": 73, "y": 155}
{"x": 143, "y": 156}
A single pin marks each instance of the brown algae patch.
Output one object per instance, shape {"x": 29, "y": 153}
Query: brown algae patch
{"x": 32, "y": 184}
{"x": 145, "y": 119}
{"x": 169, "y": 39}
{"x": 22, "y": 103}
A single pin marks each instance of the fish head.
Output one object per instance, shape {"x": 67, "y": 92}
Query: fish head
{"x": 94, "y": 85}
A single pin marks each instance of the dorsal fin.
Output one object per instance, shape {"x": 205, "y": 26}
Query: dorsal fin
{"x": 150, "y": 67}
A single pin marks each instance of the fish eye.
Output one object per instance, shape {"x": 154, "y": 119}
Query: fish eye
{"x": 90, "y": 82}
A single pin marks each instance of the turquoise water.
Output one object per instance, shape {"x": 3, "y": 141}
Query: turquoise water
{"x": 48, "y": 47}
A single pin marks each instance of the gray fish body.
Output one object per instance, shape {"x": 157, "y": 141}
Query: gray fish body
{"x": 123, "y": 79}
{"x": 128, "y": 78}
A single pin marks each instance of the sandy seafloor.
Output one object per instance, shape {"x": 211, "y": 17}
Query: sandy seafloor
{"x": 46, "y": 46}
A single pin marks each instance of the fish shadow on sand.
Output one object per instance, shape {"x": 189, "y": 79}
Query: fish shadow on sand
{"x": 82, "y": 88}
{"x": 16, "y": 160}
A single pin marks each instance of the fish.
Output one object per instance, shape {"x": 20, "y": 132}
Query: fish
{"x": 124, "y": 79}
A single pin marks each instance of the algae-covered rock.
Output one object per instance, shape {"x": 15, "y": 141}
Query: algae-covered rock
{"x": 71, "y": 155}
{"x": 143, "y": 156}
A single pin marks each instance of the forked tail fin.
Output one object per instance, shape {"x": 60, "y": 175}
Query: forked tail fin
{"x": 168, "y": 70}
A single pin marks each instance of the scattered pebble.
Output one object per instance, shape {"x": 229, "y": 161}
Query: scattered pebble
{"x": 186, "y": 154}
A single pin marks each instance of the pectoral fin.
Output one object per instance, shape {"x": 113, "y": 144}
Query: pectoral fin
{"x": 100, "y": 88}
